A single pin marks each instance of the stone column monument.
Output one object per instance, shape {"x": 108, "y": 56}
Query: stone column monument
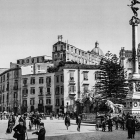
{"x": 133, "y": 96}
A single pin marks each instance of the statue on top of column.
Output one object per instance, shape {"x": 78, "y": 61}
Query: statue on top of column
{"x": 135, "y": 20}
{"x": 134, "y": 9}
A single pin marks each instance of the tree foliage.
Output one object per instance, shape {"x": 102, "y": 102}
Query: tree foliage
{"x": 112, "y": 81}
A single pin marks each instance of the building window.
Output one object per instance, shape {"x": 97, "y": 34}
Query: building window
{"x": 24, "y": 102}
{"x": 48, "y": 91}
{"x": 32, "y": 102}
{"x": 7, "y": 86}
{"x": 40, "y": 101}
{"x": 62, "y": 100}
{"x": 57, "y": 79}
{"x": 40, "y": 90}
{"x": 25, "y": 92}
{"x": 71, "y": 49}
{"x": 57, "y": 102}
{"x": 61, "y": 78}
{"x": 97, "y": 75}
{"x": 15, "y": 95}
{"x": 48, "y": 101}
{"x": 32, "y": 60}
{"x": 61, "y": 47}
{"x": 3, "y": 78}
{"x": 38, "y": 67}
{"x": 85, "y": 75}
{"x": 62, "y": 89}
{"x": 48, "y": 81}
{"x": 68, "y": 47}
{"x": 68, "y": 57}
{"x": 57, "y": 90}
{"x": 37, "y": 59}
{"x": 7, "y": 76}
{"x": 86, "y": 88}
{"x": 72, "y": 88}
{"x": 15, "y": 85}
{"x": 32, "y": 90}
{"x": 72, "y": 76}
{"x": 41, "y": 80}
{"x": 16, "y": 73}
{"x": 24, "y": 81}
{"x": 32, "y": 80}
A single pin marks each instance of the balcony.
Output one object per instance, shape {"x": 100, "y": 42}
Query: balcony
{"x": 40, "y": 94}
{"x": 48, "y": 94}
{"x": 71, "y": 80}
{"x": 15, "y": 88}
{"x": 24, "y": 95}
{"x": 25, "y": 85}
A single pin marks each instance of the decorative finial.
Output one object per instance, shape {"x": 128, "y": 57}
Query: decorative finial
{"x": 60, "y": 37}
{"x": 96, "y": 44}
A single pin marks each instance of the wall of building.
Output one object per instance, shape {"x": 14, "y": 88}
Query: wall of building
{"x": 73, "y": 86}
{"x": 28, "y": 96}
{"x": 66, "y": 52}
{"x": 10, "y": 91}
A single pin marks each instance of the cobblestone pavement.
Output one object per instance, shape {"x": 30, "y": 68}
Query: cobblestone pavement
{"x": 56, "y": 130}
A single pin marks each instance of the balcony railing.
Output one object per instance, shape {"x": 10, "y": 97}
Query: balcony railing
{"x": 15, "y": 88}
{"x": 40, "y": 94}
{"x": 48, "y": 94}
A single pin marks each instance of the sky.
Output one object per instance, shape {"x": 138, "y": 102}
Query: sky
{"x": 31, "y": 27}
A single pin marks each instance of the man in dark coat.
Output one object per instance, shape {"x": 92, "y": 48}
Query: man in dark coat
{"x": 41, "y": 132}
{"x": 110, "y": 124}
{"x": 133, "y": 127}
{"x": 78, "y": 123}
{"x": 20, "y": 130}
{"x": 129, "y": 127}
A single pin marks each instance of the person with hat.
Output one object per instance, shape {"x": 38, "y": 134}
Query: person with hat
{"x": 41, "y": 132}
{"x": 20, "y": 131}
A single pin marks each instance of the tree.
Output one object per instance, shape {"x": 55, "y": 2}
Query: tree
{"x": 112, "y": 81}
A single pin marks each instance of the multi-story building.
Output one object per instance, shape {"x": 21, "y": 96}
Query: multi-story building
{"x": 33, "y": 65}
{"x": 38, "y": 92}
{"x": 10, "y": 92}
{"x": 126, "y": 61}
{"x": 72, "y": 82}
{"x": 65, "y": 52}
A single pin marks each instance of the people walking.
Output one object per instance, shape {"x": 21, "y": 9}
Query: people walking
{"x": 110, "y": 124}
{"x": 133, "y": 127}
{"x": 116, "y": 122}
{"x": 78, "y": 123}
{"x": 10, "y": 125}
{"x": 67, "y": 121}
{"x": 20, "y": 131}
{"x": 103, "y": 125}
{"x": 129, "y": 127}
{"x": 41, "y": 132}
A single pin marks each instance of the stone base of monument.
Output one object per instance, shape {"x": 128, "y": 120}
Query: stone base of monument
{"x": 132, "y": 103}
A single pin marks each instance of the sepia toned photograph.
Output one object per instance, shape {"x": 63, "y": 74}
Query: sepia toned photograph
{"x": 69, "y": 69}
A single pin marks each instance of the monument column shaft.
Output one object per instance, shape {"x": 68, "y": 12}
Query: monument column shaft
{"x": 134, "y": 48}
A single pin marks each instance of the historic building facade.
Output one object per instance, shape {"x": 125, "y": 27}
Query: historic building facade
{"x": 10, "y": 91}
{"x": 126, "y": 61}
{"x": 73, "y": 82}
{"x": 65, "y": 52}
{"x": 38, "y": 92}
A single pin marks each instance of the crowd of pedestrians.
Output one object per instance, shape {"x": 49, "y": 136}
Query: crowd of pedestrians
{"x": 124, "y": 122}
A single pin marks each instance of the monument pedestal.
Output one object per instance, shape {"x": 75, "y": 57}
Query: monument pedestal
{"x": 133, "y": 96}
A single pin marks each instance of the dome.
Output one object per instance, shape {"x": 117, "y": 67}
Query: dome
{"x": 97, "y": 50}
